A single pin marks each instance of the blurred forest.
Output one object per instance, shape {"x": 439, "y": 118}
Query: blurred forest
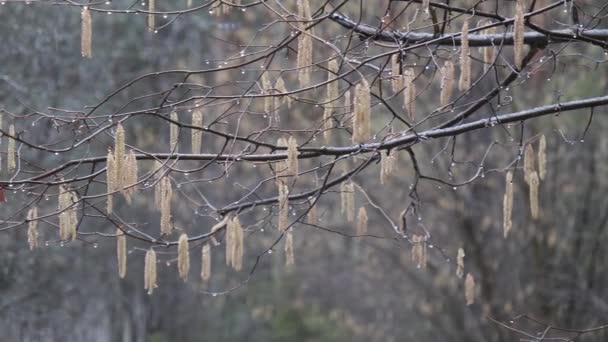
{"x": 342, "y": 287}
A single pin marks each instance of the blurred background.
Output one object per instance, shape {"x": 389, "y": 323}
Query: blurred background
{"x": 341, "y": 288}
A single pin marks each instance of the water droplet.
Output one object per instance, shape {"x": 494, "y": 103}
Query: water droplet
{"x": 270, "y": 251}
{"x": 95, "y": 245}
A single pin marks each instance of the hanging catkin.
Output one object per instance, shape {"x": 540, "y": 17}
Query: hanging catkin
{"x": 111, "y": 180}
{"x": 283, "y": 206}
{"x": 119, "y": 155}
{"x": 542, "y": 157}
{"x": 460, "y": 263}
{"x": 32, "y": 228}
{"x": 183, "y": 257}
{"x": 447, "y": 82}
{"x": 465, "y": 58}
{"x": 347, "y": 196}
{"x": 129, "y": 176}
{"x": 11, "y": 157}
{"x": 174, "y": 132}
{"x": 409, "y": 95}
{"x": 488, "y": 52}
{"x": 332, "y": 87}
{"x": 292, "y": 157}
{"x": 68, "y": 217}
{"x": 533, "y": 183}
{"x": 528, "y": 162}
{"x": 86, "y": 33}
{"x": 150, "y": 276}
{"x": 518, "y": 34}
{"x": 362, "y": 117}
{"x": 166, "y": 194}
{"x": 206, "y": 262}
{"x": 362, "y": 222}
{"x": 290, "y": 258}
{"x": 197, "y": 134}
{"x": 469, "y": 289}
{"x": 267, "y": 91}
{"x": 121, "y": 253}
{"x": 387, "y": 163}
{"x": 151, "y": 15}
{"x": 280, "y": 86}
{"x": 419, "y": 256}
{"x": 507, "y": 209}
{"x": 311, "y": 216}
{"x": 304, "y": 59}
{"x": 234, "y": 244}
{"x": 396, "y": 79}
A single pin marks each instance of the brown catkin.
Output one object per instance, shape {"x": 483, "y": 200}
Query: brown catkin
{"x": 396, "y": 79}
{"x": 387, "y": 164}
{"x": 533, "y": 183}
{"x": 86, "y": 33}
{"x": 151, "y": 16}
{"x": 174, "y": 133}
{"x": 183, "y": 257}
{"x": 111, "y": 180}
{"x": 283, "y": 206}
{"x": 362, "y": 117}
{"x": 234, "y": 244}
{"x": 347, "y": 192}
{"x": 129, "y": 176}
{"x": 121, "y": 253}
{"x": 166, "y": 194}
{"x": 419, "y": 256}
{"x": 362, "y": 222}
{"x": 518, "y": 34}
{"x": 460, "y": 263}
{"x": 465, "y": 59}
{"x": 447, "y": 82}
{"x": 206, "y": 262}
{"x": 290, "y": 258}
{"x": 409, "y": 95}
{"x": 32, "y": 228}
{"x": 150, "y": 275}
{"x": 292, "y": 157}
{"x": 197, "y": 134}
{"x": 119, "y": 155}
{"x": 528, "y": 162}
{"x": 68, "y": 216}
{"x": 542, "y": 157}
{"x": 507, "y": 209}
{"x": 11, "y": 156}
{"x": 304, "y": 59}
{"x": 469, "y": 289}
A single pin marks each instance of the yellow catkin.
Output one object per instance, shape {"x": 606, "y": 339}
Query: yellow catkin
{"x": 469, "y": 289}
{"x": 68, "y": 216}
{"x": 528, "y": 162}
{"x": 362, "y": 117}
{"x": 465, "y": 59}
{"x": 396, "y": 79}
{"x": 150, "y": 275}
{"x": 283, "y": 207}
{"x": 166, "y": 194}
{"x": 174, "y": 133}
{"x": 280, "y": 87}
{"x": 409, "y": 95}
{"x": 129, "y": 176}
{"x": 290, "y": 258}
{"x": 460, "y": 263}
{"x": 267, "y": 91}
{"x": 419, "y": 256}
{"x": 447, "y": 82}
{"x": 362, "y": 222}
{"x": 304, "y": 59}
{"x": 206, "y": 262}
{"x": 183, "y": 257}
{"x": 542, "y": 157}
{"x": 119, "y": 155}
{"x": 234, "y": 244}
{"x": 518, "y": 34}
{"x": 197, "y": 134}
{"x": 86, "y": 33}
{"x": 121, "y": 253}
{"x": 32, "y": 228}
{"x": 507, "y": 211}
{"x": 534, "y": 183}
{"x": 387, "y": 164}
{"x": 151, "y": 16}
{"x": 111, "y": 180}
{"x": 347, "y": 194}
{"x": 11, "y": 157}
{"x": 292, "y": 157}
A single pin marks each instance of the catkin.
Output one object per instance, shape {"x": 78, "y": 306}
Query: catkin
{"x": 174, "y": 133}
{"x": 165, "y": 194}
{"x": 197, "y": 134}
{"x": 488, "y": 52}
{"x": 86, "y": 33}
{"x": 528, "y": 162}
{"x": 283, "y": 206}
{"x": 11, "y": 157}
{"x": 303, "y": 11}
{"x": 292, "y": 157}
{"x": 347, "y": 196}
{"x": 119, "y": 155}
{"x": 183, "y": 257}
{"x": 518, "y": 34}
{"x": 129, "y": 176}
{"x": 304, "y": 59}
{"x": 534, "y": 183}
{"x": 234, "y": 244}
{"x": 289, "y": 250}
{"x": 396, "y": 79}
{"x": 469, "y": 289}
{"x": 68, "y": 217}
{"x": 362, "y": 222}
{"x": 447, "y": 82}
{"x": 460, "y": 263}
{"x": 121, "y": 253}
{"x": 362, "y": 117}
{"x": 542, "y": 157}
{"x": 332, "y": 87}
{"x": 465, "y": 59}
{"x": 507, "y": 211}
{"x": 267, "y": 91}
{"x": 151, "y": 16}
{"x": 409, "y": 95}
{"x": 111, "y": 180}
{"x": 32, "y": 228}
{"x": 280, "y": 86}
{"x": 206, "y": 262}
{"x": 419, "y": 256}
{"x": 150, "y": 275}
{"x": 387, "y": 164}
{"x": 312, "y": 217}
